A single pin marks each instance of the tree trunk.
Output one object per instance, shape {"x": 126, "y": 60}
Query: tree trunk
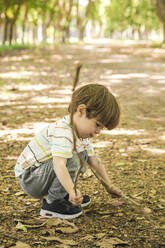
{"x": 81, "y": 33}
{"x": 1, "y": 33}
{"x": 11, "y": 33}
{"x": 44, "y": 33}
{"x": 54, "y": 33}
{"x": 24, "y": 25}
{"x": 65, "y": 34}
{"x": 35, "y": 35}
{"x": 163, "y": 32}
{"x": 23, "y": 33}
{"x": 6, "y": 27}
{"x": 160, "y": 10}
{"x": 15, "y": 34}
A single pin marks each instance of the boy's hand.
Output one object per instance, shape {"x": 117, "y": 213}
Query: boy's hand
{"x": 114, "y": 191}
{"x": 75, "y": 199}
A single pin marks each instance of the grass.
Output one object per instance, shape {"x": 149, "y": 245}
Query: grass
{"x": 7, "y": 48}
{"x": 156, "y": 45}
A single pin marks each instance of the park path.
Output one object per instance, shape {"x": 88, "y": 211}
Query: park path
{"x": 35, "y": 90}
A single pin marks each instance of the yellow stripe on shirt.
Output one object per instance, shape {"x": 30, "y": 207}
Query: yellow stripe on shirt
{"x": 42, "y": 148}
{"x": 61, "y": 153}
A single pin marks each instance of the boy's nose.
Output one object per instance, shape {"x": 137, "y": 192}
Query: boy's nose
{"x": 98, "y": 130}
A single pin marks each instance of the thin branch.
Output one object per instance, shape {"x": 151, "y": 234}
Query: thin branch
{"x": 78, "y": 68}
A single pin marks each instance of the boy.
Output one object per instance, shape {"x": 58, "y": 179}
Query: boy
{"x": 48, "y": 164}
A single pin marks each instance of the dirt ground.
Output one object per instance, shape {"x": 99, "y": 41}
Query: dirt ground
{"x": 35, "y": 90}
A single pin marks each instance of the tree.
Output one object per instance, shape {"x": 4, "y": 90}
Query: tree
{"x": 131, "y": 13}
{"x": 86, "y": 13}
{"x": 160, "y": 10}
{"x": 11, "y": 12}
{"x": 65, "y": 18}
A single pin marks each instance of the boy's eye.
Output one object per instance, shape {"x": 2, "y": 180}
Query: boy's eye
{"x": 99, "y": 125}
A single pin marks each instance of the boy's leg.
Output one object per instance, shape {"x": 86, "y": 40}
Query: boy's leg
{"x": 36, "y": 181}
{"x": 40, "y": 181}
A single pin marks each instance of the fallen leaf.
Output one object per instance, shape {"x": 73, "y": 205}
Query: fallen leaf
{"x": 119, "y": 214}
{"x": 20, "y": 226}
{"x": 100, "y": 235}
{"x": 105, "y": 213}
{"x": 109, "y": 243}
{"x": 161, "y": 227}
{"x": 20, "y": 244}
{"x": 121, "y": 164}
{"x": 117, "y": 204}
{"x": 66, "y": 222}
{"x": 53, "y": 222}
{"x": 24, "y": 227}
{"x": 20, "y": 193}
{"x": 62, "y": 241}
{"x": 67, "y": 229}
{"x": 160, "y": 206}
{"x": 87, "y": 174}
{"x": 88, "y": 237}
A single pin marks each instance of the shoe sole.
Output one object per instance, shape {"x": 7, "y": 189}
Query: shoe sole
{"x": 83, "y": 205}
{"x": 49, "y": 214}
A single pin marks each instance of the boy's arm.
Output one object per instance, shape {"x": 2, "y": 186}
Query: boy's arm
{"x": 61, "y": 171}
{"x": 95, "y": 163}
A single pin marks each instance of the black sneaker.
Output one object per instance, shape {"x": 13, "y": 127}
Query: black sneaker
{"x": 86, "y": 200}
{"x": 60, "y": 208}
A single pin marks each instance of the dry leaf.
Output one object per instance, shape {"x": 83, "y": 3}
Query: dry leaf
{"x": 117, "y": 204}
{"x": 20, "y": 244}
{"x": 67, "y": 229}
{"x": 53, "y": 222}
{"x": 109, "y": 243}
{"x": 20, "y": 193}
{"x": 100, "y": 235}
{"x": 62, "y": 241}
{"x": 24, "y": 227}
{"x": 104, "y": 213}
{"x": 88, "y": 237}
{"x": 87, "y": 174}
{"x": 68, "y": 223}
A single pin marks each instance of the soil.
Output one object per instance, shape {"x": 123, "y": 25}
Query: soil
{"x": 36, "y": 86}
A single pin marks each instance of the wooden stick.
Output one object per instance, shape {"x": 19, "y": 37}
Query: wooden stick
{"x": 129, "y": 199}
{"x": 143, "y": 210}
{"x": 76, "y": 76}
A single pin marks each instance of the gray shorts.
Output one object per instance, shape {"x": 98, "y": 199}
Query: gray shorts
{"x": 39, "y": 181}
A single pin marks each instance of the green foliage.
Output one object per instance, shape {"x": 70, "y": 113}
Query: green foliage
{"x": 156, "y": 45}
{"x": 59, "y": 15}
{"x": 122, "y": 14}
{"x": 5, "y": 48}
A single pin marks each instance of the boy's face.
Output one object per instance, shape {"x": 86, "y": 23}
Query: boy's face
{"x": 86, "y": 128}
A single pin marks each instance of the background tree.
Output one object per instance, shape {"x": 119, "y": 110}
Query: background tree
{"x": 160, "y": 10}
{"x": 41, "y": 21}
{"x": 131, "y": 15}
{"x": 84, "y": 14}
{"x": 11, "y": 11}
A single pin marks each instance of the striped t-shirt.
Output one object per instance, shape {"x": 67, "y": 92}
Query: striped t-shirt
{"x": 54, "y": 140}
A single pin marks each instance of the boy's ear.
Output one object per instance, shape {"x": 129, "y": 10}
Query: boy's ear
{"x": 81, "y": 109}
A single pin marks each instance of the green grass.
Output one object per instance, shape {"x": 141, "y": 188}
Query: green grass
{"x": 1, "y": 83}
{"x": 8, "y": 48}
{"x": 156, "y": 45}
